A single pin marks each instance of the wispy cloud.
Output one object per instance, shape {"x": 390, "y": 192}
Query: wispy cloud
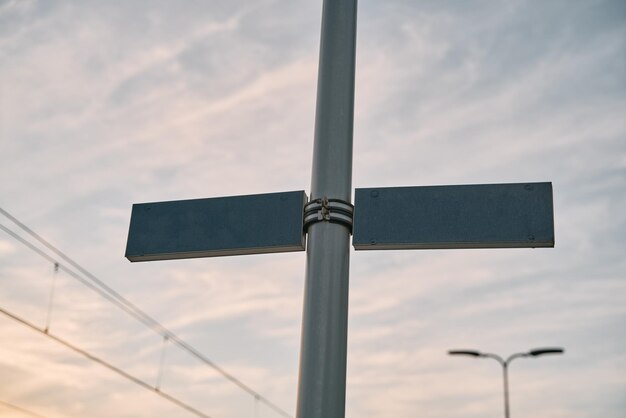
{"x": 104, "y": 105}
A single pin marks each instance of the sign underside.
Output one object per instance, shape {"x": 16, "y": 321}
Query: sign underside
{"x": 237, "y": 225}
{"x": 467, "y": 216}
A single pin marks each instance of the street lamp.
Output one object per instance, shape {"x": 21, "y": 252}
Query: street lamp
{"x": 535, "y": 352}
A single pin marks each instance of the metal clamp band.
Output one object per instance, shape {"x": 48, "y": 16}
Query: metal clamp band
{"x": 330, "y": 210}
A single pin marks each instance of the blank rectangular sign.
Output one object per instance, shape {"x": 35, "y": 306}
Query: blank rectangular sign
{"x": 252, "y": 224}
{"x": 468, "y": 216}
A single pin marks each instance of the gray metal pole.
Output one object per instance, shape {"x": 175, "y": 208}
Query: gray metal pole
{"x": 322, "y": 380}
{"x": 505, "y": 372}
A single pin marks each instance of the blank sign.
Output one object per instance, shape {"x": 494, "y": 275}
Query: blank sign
{"x": 467, "y": 216}
{"x": 252, "y": 224}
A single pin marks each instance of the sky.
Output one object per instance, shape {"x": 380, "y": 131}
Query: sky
{"x": 106, "y": 104}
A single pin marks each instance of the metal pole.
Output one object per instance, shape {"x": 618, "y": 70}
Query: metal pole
{"x": 505, "y": 371}
{"x": 505, "y": 368}
{"x": 323, "y": 349}
{"x": 505, "y": 374}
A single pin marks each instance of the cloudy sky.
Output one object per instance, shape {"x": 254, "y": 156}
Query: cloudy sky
{"x": 106, "y": 104}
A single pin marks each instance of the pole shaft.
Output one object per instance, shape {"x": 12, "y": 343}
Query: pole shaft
{"x": 322, "y": 379}
{"x": 505, "y": 372}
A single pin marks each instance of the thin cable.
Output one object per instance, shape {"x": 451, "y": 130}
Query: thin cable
{"x": 105, "y": 364}
{"x": 161, "y": 364}
{"x": 80, "y": 268}
{"x": 51, "y": 298}
{"x": 78, "y": 277}
{"x": 20, "y": 409}
{"x": 127, "y": 306}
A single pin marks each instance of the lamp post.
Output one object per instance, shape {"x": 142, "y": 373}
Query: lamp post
{"x": 535, "y": 352}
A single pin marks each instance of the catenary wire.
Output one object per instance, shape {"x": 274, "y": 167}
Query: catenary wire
{"x": 109, "y": 366}
{"x": 130, "y": 308}
{"x": 114, "y": 297}
{"x": 20, "y": 409}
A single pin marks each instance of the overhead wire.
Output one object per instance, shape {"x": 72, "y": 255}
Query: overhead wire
{"x": 106, "y": 364}
{"x": 20, "y": 409}
{"x": 124, "y": 304}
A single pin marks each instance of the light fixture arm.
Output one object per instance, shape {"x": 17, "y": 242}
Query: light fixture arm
{"x": 536, "y": 352}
